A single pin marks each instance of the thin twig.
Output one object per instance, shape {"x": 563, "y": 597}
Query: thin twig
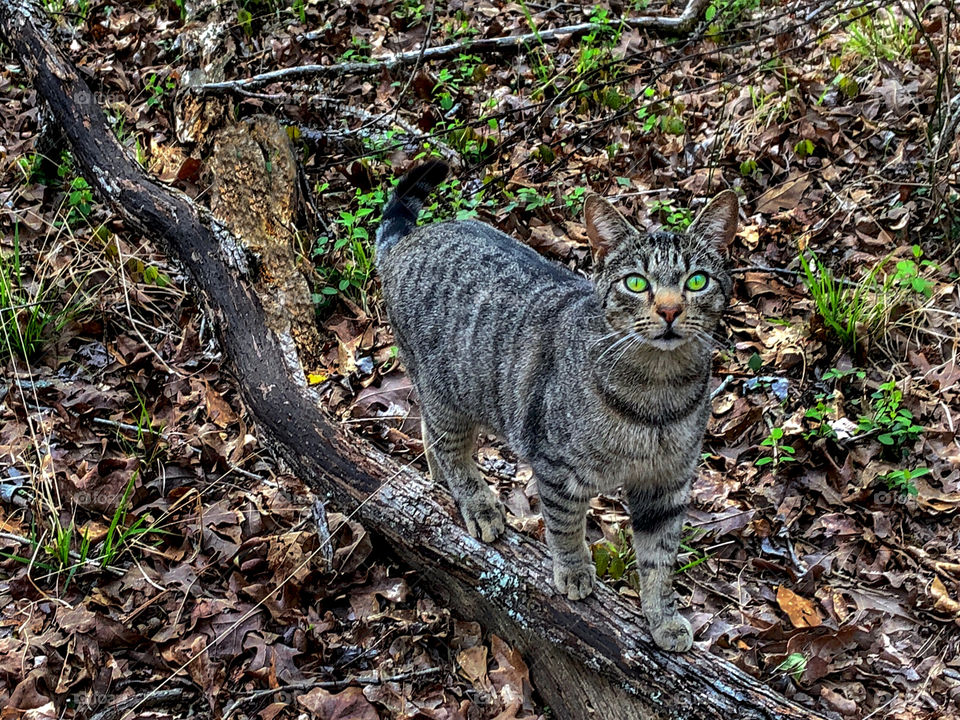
{"x": 722, "y": 386}
{"x": 161, "y": 697}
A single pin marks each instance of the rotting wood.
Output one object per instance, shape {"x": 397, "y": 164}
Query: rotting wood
{"x": 588, "y": 659}
{"x": 679, "y": 24}
{"x": 254, "y": 192}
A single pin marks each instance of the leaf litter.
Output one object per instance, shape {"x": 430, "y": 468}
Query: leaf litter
{"x": 821, "y": 548}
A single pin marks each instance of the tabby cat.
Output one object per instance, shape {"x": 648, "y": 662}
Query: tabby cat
{"x": 597, "y": 383}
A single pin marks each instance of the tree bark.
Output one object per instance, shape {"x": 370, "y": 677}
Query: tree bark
{"x": 588, "y": 657}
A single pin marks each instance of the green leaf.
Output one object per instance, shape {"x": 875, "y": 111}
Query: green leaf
{"x": 886, "y": 439}
{"x": 617, "y": 567}
{"x": 764, "y": 461}
{"x": 755, "y": 362}
{"x": 601, "y": 559}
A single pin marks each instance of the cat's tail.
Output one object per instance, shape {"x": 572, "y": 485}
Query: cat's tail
{"x": 401, "y": 211}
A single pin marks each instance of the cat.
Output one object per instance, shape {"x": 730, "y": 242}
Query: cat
{"x": 597, "y": 383}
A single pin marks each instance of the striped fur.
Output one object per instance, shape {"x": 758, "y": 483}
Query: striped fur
{"x": 584, "y": 378}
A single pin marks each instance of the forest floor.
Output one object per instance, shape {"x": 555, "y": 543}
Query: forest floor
{"x": 143, "y": 525}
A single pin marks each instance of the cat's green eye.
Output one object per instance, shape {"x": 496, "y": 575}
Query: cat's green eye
{"x": 636, "y": 283}
{"x": 697, "y": 281}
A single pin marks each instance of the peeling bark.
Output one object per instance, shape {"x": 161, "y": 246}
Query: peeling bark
{"x": 592, "y": 658}
{"x": 254, "y": 192}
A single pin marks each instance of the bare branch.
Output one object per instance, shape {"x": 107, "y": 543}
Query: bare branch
{"x": 511, "y": 43}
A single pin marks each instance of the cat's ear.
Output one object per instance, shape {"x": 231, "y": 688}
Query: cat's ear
{"x": 605, "y": 226}
{"x": 717, "y": 222}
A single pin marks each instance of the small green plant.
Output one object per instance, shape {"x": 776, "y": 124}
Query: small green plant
{"x": 540, "y": 58}
{"x": 156, "y": 89}
{"x": 908, "y": 273}
{"x": 901, "y": 481}
{"x": 804, "y": 148}
{"x": 31, "y": 166}
{"x": 595, "y": 46}
{"x": 842, "y": 81}
{"x": 894, "y": 423}
{"x": 838, "y": 374}
{"x": 674, "y": 218}
{"x": 880, "y": 35}
{"x": 118, "y": 536}
{"x": 794, "y": 665}
{"x": 411, "y": 12}
{"x": 686, "y": 546}
{"x": 779, "y": 453}
{"x": 359, "y": 51}
{"x": 529, "y": 199}
{"x": 59, "y": 550}
{"x": 467, "y": 70}
{"x": 845, "y": 310}
{"x": 770, "y": 107}
{"x": 573, "y": 200}
{"x": 819, "y": 415}
{"x": 347, "y": 259}
{"x": 299, "y": 10}
{"x": 30, "y": 311}
{"x": 149, "y": 434}
{"x": 617, "y": 561}
{"x": 79, "y": 200}
{"x": 453, "y": 201}
{"x": 726, "y": 14}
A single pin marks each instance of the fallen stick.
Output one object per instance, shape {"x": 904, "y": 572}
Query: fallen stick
{"x": 510, "y": 43}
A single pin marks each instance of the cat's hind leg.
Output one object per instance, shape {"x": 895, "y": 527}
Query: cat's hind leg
{"x": 449, "y": 441}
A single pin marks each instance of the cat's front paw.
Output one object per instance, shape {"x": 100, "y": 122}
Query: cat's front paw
{"x": 484, "y": 516}
{"x": 673, "y": 633}
{"x": 576, "y": 581}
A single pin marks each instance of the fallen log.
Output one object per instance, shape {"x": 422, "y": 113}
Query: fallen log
{"x": 593, "y": 658}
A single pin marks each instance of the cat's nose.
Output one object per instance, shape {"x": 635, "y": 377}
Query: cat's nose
{"x": 669, "y": 312}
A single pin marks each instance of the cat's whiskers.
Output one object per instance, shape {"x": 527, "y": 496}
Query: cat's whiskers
{"x": 609, "y": 335}
{"x": 708, "y": 331}
{"x": 613, "y": 345}
{"x": 629, "y": 346}
{"x": 706, "y": 339}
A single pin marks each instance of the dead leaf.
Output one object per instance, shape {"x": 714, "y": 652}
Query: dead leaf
{"x": 784, "y": 197}
{"x": 801, "y": 611}
{"x": 218, "y": 410}
{"x": 347, "y": 705}
{"x": 473, "y": 665}
{"x": 942, "y": 599}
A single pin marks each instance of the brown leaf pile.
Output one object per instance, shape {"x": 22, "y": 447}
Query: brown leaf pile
{"x": 201, "y": 578}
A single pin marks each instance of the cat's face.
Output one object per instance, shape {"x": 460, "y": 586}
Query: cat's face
{"x": 665, "y": 289}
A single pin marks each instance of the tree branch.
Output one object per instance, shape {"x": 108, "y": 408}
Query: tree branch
{"x": 511, "y": 43}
